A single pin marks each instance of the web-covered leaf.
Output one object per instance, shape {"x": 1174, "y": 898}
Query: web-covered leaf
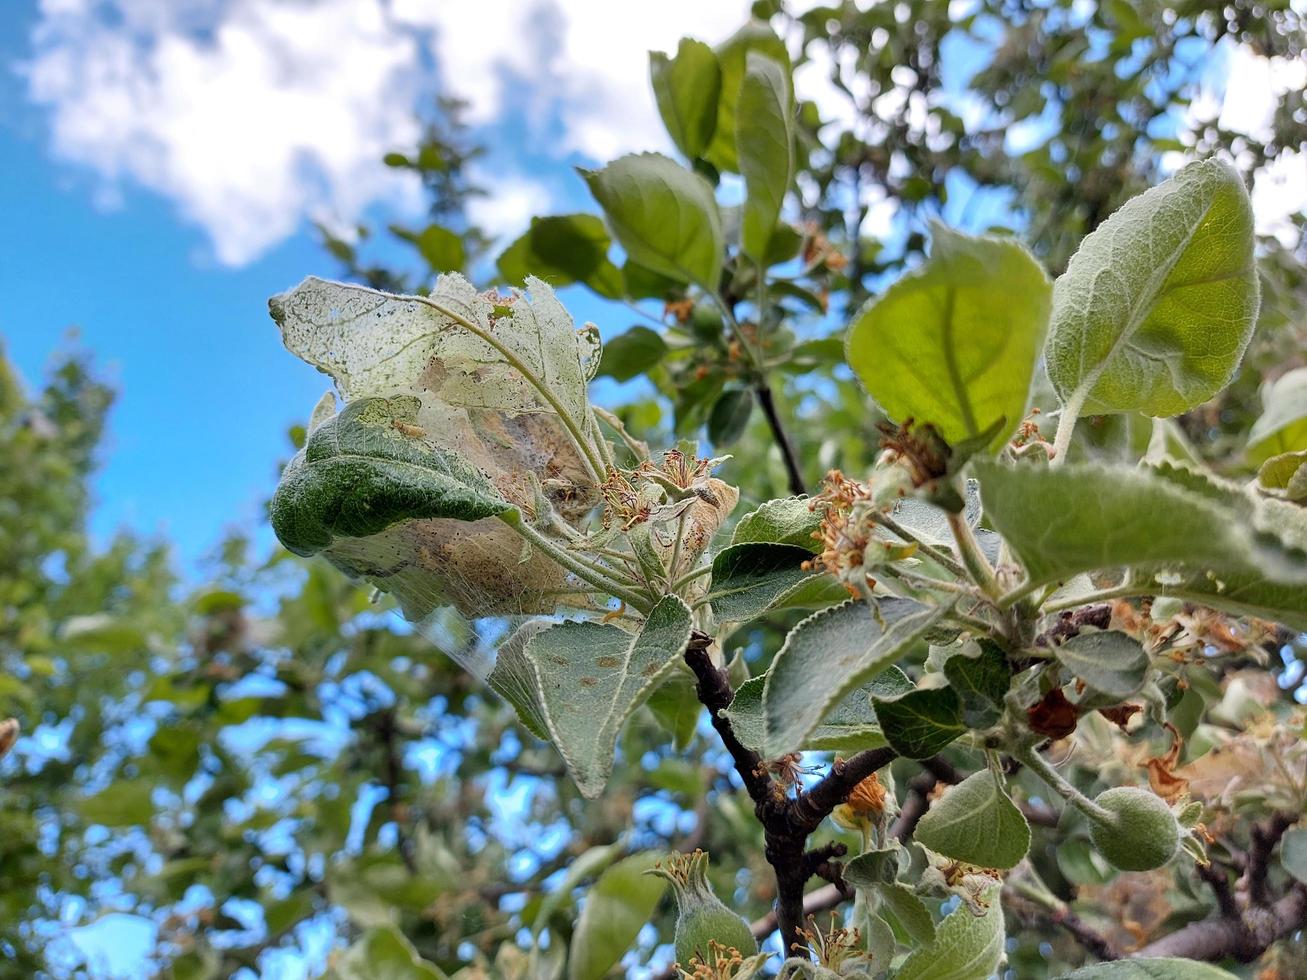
{"x": 460, "y": 407}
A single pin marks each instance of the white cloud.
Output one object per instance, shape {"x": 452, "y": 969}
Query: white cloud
{"x": 584, "y": 61}
{"x": 249, "y": 115}
{"x": 507, "y": 210}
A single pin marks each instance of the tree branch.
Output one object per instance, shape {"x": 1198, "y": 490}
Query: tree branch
{"x": 791, "y": 459}
{"x": 1264, "y": 837}
{"x": 1244, "y": 938}
{"x": 786, "y": 821}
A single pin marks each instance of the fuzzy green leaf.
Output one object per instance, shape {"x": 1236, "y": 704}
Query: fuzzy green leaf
{"x": 1282, "y": 427}
{"x": 788, "y": 520}
{"x": 581, "y": 680}
{"x": 828, "y": 655}
{"x": 910, "y": 911}
{"x": 360, "y": 472}
{"x": 765, "y": 147}
{"x": 975, "y": 821}
{"x": 980, "y": 682}
{"x": 686, "y": 89}
{"x": 632, "y": 353}
{"x": 384, "y": 953}
{"x": 1082, "y": 517}
{"x": 1110, "y": 662}
{"x": 750, "y": 580}
{"x": 922, "y": 722}
{"x": 954, "y": 342}
{"x": 663, "y": 215}
{"x": 850, "y": 726}
{"x": 1157, "y": 306}
{"x": 1293, "y": 853}
{"x": 1285, "y": 476}
{"x": 966, "y": 946}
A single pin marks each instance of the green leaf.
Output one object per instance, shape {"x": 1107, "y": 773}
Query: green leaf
{"x": 750, "y": 580}
{"x": 563, "y": 249}
{"x": 850, "y": 726}
{"x": 1081, "y": 517}
{"x": 732, "y": 56}
{"x": 632, "y": 353}
{"x": 874, "y": 868}
{"x": 384, "y": 953}
{"x": 910, "y": 911}
{"x": 765, "y": 147}
{"x": 828, "y": 655}
{"x": 976, "y": 822}
{"x": 616, "y": 908}
{"x": 1159, "y": 968}
{"x": 966, "y": 946}
{"x": 920, "y": 723}
{"x": 663, "y": 215}
{"x": 730, "y": 415}
{"x": 1282, "y": 427}
{"x": 788, "y": 520}
{"x": 442, "y": 249}
{"x": 1293, "y": 853}
{"x": 1109, "y": 661}
{"x": 1285, "y": 476}
{"x": 686, "y": 89}
{"x": 123, "y": 803}
{"x": 1157, "y": 306}
{"x": 955, "y": 341}
{"x": 588, "y": 678}
{"x": 981, "y": 683}
{"x": 360, "y": 472}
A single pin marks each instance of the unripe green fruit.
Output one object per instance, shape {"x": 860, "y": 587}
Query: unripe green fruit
{"x": 706, "y": 321}
{"x": 1143, "y": 833}
{"x": 700, "y": 914}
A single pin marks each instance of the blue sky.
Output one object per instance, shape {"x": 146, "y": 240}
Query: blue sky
{"x": 160, "y": 164}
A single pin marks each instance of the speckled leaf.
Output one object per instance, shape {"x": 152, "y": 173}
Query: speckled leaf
{"x": 590, "y": 677}
{"x": 1157, "y": 306}
{"x": 828, "y": 655}
{"x": 976, "y": 822}
{"x": 954, "y": 342}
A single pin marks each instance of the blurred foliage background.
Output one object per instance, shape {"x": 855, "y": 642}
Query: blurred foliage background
{"x": 266, "y": 763}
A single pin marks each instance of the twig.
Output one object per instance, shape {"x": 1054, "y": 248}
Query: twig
{"x": 1264, "y": 837}
{"x": 791, "y": 459}
{"x": 786, "y": 821}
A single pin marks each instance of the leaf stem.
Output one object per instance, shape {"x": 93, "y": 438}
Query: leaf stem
{"x": 973, "y": 558}
{"x": 1066, "y": 424}
{"x": 577, "y": 567}
{"x": 689, "y": 577}
{"x": 1040, "y": 766}
{"x": 936, "y": 555}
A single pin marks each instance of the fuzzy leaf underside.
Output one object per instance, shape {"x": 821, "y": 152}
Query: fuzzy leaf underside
{"x": 829, "y": 654}
{"x": 579, "y": 681}
{"x": 1158, "y": 304}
